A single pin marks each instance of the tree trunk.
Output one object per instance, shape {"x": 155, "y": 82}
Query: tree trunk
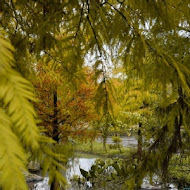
{"x": 104, "y": 143}
{"x": 118, "y": 146}
{"x": 91, "y": 145}
{"x": 139, "y": 150}
{"x": 55, "y": 135}
{"x": 54, "y": 185}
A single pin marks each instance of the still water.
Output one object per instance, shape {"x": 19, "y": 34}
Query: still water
{"x": 73, "y": 168}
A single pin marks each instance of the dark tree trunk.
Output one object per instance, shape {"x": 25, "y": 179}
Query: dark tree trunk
{"x": 54, "y": 185}
{"x": 139, "y": 150}
{"x": 55, "y": 135}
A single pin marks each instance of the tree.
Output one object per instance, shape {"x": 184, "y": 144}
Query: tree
{"x": 64, "y": 107}
{"x": 138, "y": 107}
{"x": 64, "y": 110}
{"x": 139, "y": 35}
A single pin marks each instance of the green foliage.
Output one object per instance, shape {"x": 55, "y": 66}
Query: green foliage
{"x": 53, "y": 164}
{"x": 109, "y": 171}
{"x": 13, "y": 158}
{"x": 18, "y": 120}
{"x": 19, "y": 127}
{"x": 179, "y": 170}
{"x": 143, "y": 37}
{"x": 99, "y": 150}
{"x": 116, "y": 139}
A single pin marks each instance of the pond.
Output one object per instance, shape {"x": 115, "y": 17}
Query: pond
{"x": 73, "y": 169}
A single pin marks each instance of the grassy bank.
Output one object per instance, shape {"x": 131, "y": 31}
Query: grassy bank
{"x": 97, "y": 149}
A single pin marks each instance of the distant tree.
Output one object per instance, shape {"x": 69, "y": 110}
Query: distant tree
{"x": 65, "y": 109}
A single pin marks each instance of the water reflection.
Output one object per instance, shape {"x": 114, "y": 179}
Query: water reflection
{"x": 43, "y": 185}
{"x": 75, "y": 164}
{"x": 73, "y": 168}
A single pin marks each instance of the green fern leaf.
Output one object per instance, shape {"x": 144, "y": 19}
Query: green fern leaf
{"x": 12, "y": 157}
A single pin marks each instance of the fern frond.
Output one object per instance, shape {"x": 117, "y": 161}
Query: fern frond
{"x": 52, "y": 165}
{"x": 12, "y": 157}
{"x": 5, "y": 51}
{"x": 18, "y": 121}
{"x": 15, "y": 93}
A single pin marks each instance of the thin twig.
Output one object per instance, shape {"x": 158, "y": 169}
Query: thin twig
{"x": 60, "y": 62}
{"x": 80, "y": 20}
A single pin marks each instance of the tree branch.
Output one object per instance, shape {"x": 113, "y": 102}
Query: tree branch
{"x": 61, "y": 62}
{"x": 80, "y": 20}
{"x": 93, "y": 30}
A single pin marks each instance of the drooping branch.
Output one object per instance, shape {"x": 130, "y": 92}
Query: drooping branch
{"x": 80, "y": 20}
{"x": 61, "y": 63}
{"x": 167, "y": 60}
{"x": 93, "y": 30}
